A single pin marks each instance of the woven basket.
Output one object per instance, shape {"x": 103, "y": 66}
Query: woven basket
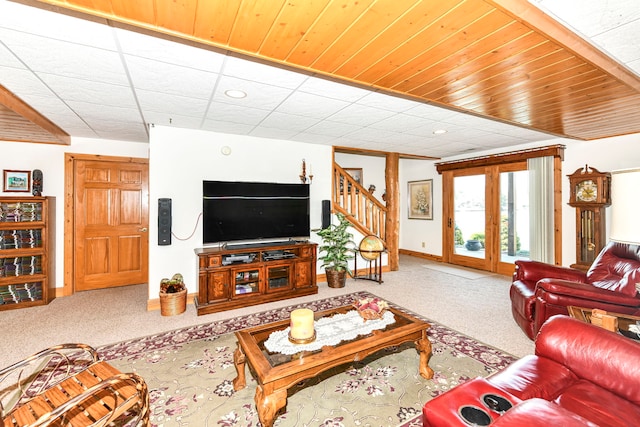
{"x": 174, "y": 303}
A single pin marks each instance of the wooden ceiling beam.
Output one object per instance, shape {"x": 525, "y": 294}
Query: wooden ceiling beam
{"x": 34, "y": 128}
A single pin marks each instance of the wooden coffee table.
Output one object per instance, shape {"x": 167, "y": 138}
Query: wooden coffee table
{"x": 276, "y": 373}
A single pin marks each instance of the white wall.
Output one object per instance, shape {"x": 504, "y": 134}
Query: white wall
{"x": 49, "y": 158}
{"x": 180, "y": 159}
{"x": 416, "y": 231}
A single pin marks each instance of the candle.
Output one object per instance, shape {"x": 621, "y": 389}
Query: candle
{"x": 302, "y": 324}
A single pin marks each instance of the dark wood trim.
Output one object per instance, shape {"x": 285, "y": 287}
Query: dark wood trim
{"x": 502, "y": 158}
{"x": 376, "y": 153}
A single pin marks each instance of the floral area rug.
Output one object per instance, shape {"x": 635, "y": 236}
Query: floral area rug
{"x": 190, "y": 372}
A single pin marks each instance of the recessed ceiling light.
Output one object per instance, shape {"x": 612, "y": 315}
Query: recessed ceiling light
{"x": 234, "y": 93}
{"x": 439, "y": 131}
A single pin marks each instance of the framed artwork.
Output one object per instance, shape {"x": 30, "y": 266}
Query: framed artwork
{"x": 17, "y": 181}
{"x": 420, "y": 199}
{"x": 356, "y": 173}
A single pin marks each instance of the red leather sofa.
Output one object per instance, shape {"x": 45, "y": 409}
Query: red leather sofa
{"x": 580, "y": 375}
{"x": 541, "y": 290}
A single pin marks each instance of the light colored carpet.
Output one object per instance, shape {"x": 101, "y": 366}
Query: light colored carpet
{"x": 467, "y": 273}
{"x": 479, "y": 308}
{"x": 190, "y": 373}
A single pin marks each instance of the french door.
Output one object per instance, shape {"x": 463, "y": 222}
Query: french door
{"x": 487, "y": 216}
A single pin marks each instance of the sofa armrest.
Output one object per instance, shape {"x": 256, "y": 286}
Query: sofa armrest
{"x": 584, "y": 291}
{"x": 527, "y": 270}
{"x": 592, "y": 353}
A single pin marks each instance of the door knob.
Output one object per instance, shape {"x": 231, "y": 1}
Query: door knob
{"x": 143, "y": 229}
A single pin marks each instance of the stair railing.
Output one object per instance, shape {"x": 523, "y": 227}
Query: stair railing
{"x": 367, "y": 214}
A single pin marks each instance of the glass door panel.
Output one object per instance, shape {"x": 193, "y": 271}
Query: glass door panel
{"x": 469, "y": 216}
{"x": 514, "y": 216}
{"x": 278, "y": 277}
{"x": 246, "y": 281}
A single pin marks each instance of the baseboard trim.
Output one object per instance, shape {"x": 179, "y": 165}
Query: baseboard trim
{"x": 422, "y": 255}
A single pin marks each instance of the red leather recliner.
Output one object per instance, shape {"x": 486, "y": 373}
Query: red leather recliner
{"x": 541, "y": 290}
{"x": 580, "y": 375}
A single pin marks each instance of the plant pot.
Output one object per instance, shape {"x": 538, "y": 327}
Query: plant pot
{"x": 173, "y": 303}
{"x": 473, "y": 245}
{"x": 335, "y": 278}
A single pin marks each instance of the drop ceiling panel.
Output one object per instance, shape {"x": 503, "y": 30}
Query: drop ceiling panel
{"x": 173, "y": 79}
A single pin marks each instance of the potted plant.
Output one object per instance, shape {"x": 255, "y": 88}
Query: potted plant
{"x": 173, "y": 295}
{"x": 336, "y": 250}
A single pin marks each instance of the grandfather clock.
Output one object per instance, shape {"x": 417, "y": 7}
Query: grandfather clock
{"x": 590, "y": 195}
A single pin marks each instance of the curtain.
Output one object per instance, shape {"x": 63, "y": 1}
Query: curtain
{"x": 541, "y": 209}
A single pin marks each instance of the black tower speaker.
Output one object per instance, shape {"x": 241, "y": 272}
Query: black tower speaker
{"x": 164, "y": 222}
{"x": 326, "y": 213}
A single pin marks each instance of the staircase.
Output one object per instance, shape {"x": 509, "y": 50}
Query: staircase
{"x": 361, "y": 208}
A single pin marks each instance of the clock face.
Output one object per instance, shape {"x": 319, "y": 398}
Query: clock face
{"x": 587, "y": 191}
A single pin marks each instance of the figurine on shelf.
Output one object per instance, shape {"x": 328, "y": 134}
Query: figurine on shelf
{"x": 36, "y": 189}
{"x": 303, "y": 175}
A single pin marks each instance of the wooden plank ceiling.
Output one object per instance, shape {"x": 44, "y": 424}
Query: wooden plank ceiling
{"x": 499, "y": 58}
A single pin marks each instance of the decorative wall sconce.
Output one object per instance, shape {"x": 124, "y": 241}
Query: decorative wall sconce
{"x": 303, "y": 176}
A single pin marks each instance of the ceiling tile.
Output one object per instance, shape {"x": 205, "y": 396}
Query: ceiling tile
{"x": 170, "y": 78}
{"x": 279, "y": 120}
{"x": 72, "y": 89}
{"x": 100, "y": 113}
{"x": 265, "y": 132}
{"x": 318, "y": 107}
{"x": 66, "y": 59}
{"x": 387, "y": 102}
{"x": 259, "y": 95}
{"x": 256, "y": 71}
{"x": 23, "y": 83}
{"x": 329, "y": 128}
{"x": 31, "y": 20}
{"x": 360, "y": 115}
{"x": 235, "y": 113}
{"x": 168, "y": 51}
{"x": 623, "y": 40}
{"x": 331, "y": 89}
{"x": 7, "y": 58}
{"x": 170, "y": 103}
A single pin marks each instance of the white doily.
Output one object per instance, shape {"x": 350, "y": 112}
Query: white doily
{"x": 329, "y": 331}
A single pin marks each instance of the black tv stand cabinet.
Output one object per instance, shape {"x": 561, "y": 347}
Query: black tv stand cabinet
{"x": 242, "y": 276}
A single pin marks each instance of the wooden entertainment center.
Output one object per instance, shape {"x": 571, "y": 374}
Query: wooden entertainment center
{"x": 254, "y": 274}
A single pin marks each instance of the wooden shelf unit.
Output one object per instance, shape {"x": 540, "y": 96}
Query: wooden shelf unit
{"x": 27, "y": 270}
{"x": 245, "y": 276}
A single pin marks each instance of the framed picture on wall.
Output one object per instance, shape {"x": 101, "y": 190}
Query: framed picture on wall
{"x": 420, "y": 199}
{"x": 16, "y": 181}
{"x": 356, "y": 173}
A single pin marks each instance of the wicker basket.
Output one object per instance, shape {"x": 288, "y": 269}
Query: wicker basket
{"x": 173, "y": 303}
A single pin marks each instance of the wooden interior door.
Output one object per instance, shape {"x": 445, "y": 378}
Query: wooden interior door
{"x": 111, "y": 217}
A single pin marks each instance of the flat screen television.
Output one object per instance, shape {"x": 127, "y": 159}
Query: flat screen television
{"x": 254, "y": 212}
